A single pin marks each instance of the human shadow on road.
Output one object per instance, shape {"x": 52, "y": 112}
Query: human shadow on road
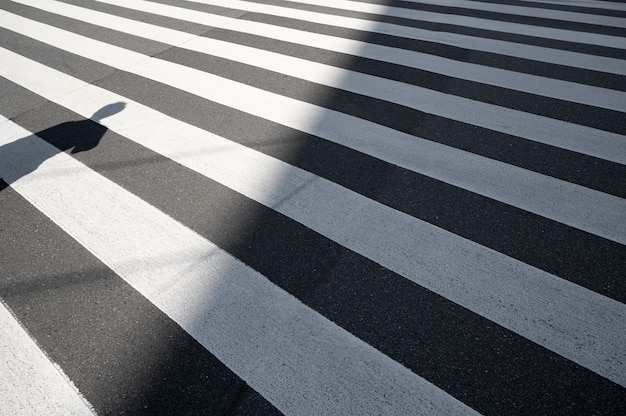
{"x": 23, "y": 156}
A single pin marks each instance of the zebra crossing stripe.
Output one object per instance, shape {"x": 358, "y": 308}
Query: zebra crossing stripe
{"x": 473, "y": 5}
{"x": 296, "y": 358}
{"x": 389, "y": 239}
{"x": 389, "y": 90}
{"x": 531, "y": 52}
{"x": 302, "y": 354}
{"x": 588, "y": 210}
{"x": 413, "y": 33}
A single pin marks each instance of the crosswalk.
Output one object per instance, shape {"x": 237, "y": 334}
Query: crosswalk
{"x": 312, "y": 207}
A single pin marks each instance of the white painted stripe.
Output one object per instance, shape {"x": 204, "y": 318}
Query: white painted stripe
{"x": 409, "y": 32}
{"x": 363, "y": 135}
{"x": 570, "y": 204}
{"x": 300, "y": 361}
{"x": 572, "y": 321}
{"x": 392, "y": 91}
{"x": 587, "y": 18}
{"x": 553, "y": 56}
{"x": 31, "y": 384}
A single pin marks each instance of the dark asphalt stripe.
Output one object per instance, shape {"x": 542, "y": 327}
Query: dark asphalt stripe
{"x": 581, "y": 76}
{"x": 570, "y": 7}
{"x": 142, "y": 45}
{"x": 122, "y": 353}
{"x": 435, "y": 27}
{"x": 393, "y": 41}
{"x": 555, "y": 108}
{"x": 393, "y": 115}
{"x": 603, "y": 119}
{"x": 575, "y": 255}
{"x": 495, "y": 60}
{"x": 570, "y": 166}
{"x": 456, "y": 11}
{"x": 588, "y": 171}
{"x": 461, "y": 352}
{"x": 168, "y": 22}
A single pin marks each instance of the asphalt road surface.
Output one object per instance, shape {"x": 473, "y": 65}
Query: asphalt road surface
{"x": 312, "y": 207}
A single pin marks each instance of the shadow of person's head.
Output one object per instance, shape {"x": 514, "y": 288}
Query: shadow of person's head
{"x": 88, "y": 134}
{"x": 108, "y": 110}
